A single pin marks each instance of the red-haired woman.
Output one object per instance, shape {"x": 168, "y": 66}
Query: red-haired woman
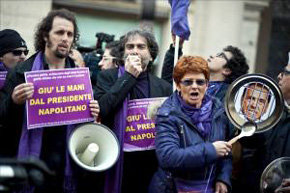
{"x": 191, "y": 131}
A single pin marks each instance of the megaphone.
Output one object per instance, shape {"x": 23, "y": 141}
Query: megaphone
{"x": 94, "y": 147}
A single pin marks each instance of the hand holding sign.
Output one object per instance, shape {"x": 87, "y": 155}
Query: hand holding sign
{"x": 22, "y": 92}
{"x": 60, "y": 97}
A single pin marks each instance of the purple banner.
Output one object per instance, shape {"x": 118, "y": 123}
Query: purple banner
{"x": 61, "y": 97}
{"x": 140, "y": 128}
{"x": 2, "y": 78}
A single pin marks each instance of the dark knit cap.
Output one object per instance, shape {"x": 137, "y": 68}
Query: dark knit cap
{"x": 10, "y": 40}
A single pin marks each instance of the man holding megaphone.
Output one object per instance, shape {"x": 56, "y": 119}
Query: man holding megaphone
{"x": 54, "y": 39}
{"x": 133, "y": 171}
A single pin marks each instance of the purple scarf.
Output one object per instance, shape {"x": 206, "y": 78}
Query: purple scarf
{"x": 31, "y": 142}
{"x": 113, "y": 180}
{"x": 214, "y": 87}
{"x": 2, "y": 67}
{"x": 3, "y": 71}
{"x": 201, "y": 117}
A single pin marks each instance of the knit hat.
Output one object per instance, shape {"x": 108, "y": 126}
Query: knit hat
{"x": 10, "y": 40}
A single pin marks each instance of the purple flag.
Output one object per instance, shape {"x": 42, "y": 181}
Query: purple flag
{"x": 179, "y": 21}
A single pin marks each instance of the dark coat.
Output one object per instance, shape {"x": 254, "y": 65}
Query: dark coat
{"x": 168, "y": 64}
{"x": 11, "y": 114}
{"x": 182, "y": 150}
{"x": 54, "y": 138}
{"x": 112, "y": 91}
{"x": 279, "y": 141}
{"x": 260, "y": 150}
{"x": 138, "y": 167}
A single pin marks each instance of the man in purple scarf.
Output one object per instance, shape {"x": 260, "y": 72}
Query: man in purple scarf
{"x": 133, "y": 171}
{"x": 54, "y": 39}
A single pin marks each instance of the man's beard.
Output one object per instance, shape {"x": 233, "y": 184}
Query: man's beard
{"x": 56, "y": 52}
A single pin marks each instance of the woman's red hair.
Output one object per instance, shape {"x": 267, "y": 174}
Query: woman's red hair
{"x": 190, "y": 64}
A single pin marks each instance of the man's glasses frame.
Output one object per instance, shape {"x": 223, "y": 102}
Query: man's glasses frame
{"x": 285, "y": 72}
{"x": 106, "y": 58}
{"x": 222, "y": 55}
{"x": 19, "y": 52}
{"x": 198, "y": 82}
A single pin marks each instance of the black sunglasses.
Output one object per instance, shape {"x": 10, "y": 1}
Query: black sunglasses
{"x": 222, "y": 55}
{"x": 19, "y": 52}
{"x": 199, "y": 82}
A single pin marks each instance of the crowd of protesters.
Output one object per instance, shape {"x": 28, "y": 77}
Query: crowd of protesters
{"x": 191, "y": 153}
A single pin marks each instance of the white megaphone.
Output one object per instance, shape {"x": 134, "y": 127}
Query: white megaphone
{"x": 94, "y": 147}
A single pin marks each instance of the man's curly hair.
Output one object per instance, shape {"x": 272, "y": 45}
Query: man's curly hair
{"x": 237, "y": 64}
{"x": 151, "y": 42}
{"x": 45, "y": 26}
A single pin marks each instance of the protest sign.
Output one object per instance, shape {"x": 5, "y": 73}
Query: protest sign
{"x": 61, "y": 97}
{"x": 140, "y": 128}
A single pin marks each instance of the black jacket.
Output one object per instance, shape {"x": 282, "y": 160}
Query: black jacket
{"x": 168, "y": 64}
{"x": 111, "y": 91}
{"x": 11, "y": 114}
{"x": 260, "y": 150}
{"x": 138, "y": 167}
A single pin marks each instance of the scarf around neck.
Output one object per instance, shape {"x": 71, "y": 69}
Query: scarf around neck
{"x": 113, "y": 180}
{"x": 201, "y": 117}
{"x": 3, "y": 67}
{"x": 141, "y": 89}
{"x": 214, "y": 87}
{"x": 31, "y": 142}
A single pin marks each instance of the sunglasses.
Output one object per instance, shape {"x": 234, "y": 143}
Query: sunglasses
{"x": 222, "y": 55}
{"x": 19, "y": 52}
{"x": 199, "y": 82}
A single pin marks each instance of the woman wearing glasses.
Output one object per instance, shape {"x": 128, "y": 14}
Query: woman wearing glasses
{"x": 13, "y": 49}
{"x": 191, "y": 129}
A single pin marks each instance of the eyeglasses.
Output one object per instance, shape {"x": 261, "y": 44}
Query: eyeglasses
{"x": 199, "y": 82}
{"x": 285, "y": 72}
{"x": 107, "y": 58}
{"x": 19, "y": 52}
{"x": 222, "y": 55}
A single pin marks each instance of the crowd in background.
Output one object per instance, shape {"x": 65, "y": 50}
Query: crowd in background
{"x": 192, "y": 130}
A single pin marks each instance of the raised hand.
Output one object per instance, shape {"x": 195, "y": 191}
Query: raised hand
{"x": 133, "y": 65}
